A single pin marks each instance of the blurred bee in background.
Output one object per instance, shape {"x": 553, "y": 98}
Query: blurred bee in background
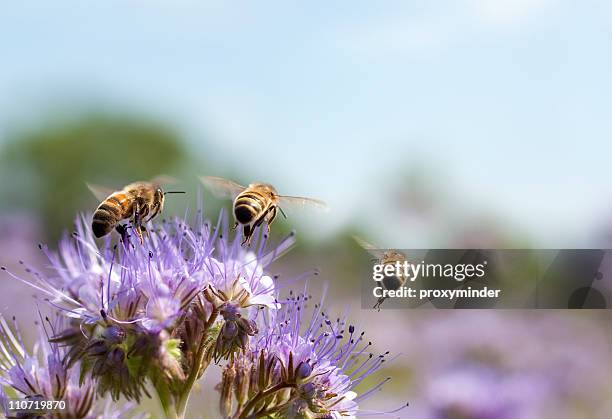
{"x": 385, "y": 257}
{"x": 139, "y": 202}
{"x": 254, "y": 204}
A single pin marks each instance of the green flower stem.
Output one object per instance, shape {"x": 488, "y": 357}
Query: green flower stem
{"x": 198, "y": 368}
{"x": 165, "y": 398}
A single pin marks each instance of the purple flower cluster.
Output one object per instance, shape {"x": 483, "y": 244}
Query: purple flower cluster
{"x": 136, "y": 316}
{"x": 44, "y": 375}
{"x": 302, "y": 366}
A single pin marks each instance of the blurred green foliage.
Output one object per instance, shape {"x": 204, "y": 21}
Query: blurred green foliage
{"x": 45, "y": 170}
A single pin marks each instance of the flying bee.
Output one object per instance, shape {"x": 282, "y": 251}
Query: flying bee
{"x": 385, "y": 257}
{"x": 254, "y": 204}
{"x": 138, "y": 202}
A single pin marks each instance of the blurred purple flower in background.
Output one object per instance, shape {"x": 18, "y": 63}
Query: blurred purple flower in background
{"x": 480, "y": 364}
{"x": 478, "y": 392}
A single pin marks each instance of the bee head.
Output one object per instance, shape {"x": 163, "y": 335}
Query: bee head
{"x": 267, "y": 189}
{"x": 159, "y": 197}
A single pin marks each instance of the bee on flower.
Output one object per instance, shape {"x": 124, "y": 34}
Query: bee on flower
{"x": 137, "y": 321}
{"x": 155, "y": 313}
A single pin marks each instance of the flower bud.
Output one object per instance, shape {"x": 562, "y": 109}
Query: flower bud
{"x": 97, "y": 348}
{"x": 243, "y": 341}
{"x": 227, "y": 385}
{"x": 234, "y": 337}
{"x": 113, "y": 334}
{"x": 243, "y": 377}
{"x": 303, "y": 370}
{"x": 230, "y": 312}
{"x": 230, "y": 330}
{"x": 248, "y": 326}
{"x": 116, "y": 356}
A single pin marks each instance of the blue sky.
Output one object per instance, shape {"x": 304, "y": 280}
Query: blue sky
{"x": 506, "y": 103}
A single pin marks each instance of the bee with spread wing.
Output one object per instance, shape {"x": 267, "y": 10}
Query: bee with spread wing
{"x": 254, "y": 204}
{"x": 139, "y": 202}
{"x": 385, "y": 257}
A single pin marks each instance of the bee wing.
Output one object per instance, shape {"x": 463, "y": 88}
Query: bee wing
{"x": 164, "y": 180}
{"x": 373, "y": 250}
{"x": 223, "y": 188}
{"x": 302, "y": 201}
{"x": 100, "y": 192}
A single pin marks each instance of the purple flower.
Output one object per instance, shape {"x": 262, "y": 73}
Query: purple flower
{"x": 503, "y": 351}
{"x": 137, "y": 313}
{"x": 302, "y": 366}
{"x": 156, "y": 314}
{"x": 43, "y": 374}
{"x": 478, "y": 392}
{"x": 246, "y": 276}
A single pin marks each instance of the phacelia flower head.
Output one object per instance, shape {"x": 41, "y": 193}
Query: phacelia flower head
{"x": 303, "y": 367}
{"x": 42, "y": 374}
{"x": 138, "y": 312}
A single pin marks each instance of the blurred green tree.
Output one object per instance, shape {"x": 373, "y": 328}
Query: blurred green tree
{"x": 44, "y": 171}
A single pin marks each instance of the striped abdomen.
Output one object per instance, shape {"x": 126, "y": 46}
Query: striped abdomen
{"x": 250, "y": 205}
{"x": 114, "y": 209}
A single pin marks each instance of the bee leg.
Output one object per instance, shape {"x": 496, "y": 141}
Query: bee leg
{"x": 154, "y": 212}
{"x": 144, "y": 231}
{"x": 282, "y": 212}
{"x": 138, "y": 230}
{"x": 122, "y": 230}
{"x": 138, "y": 222}
{"x": 271, "y": 216}
{"x": 260, "y": 220}
{"x": 247, "y": 232}
{"x": 256, "y": 224}
{"x": 235, "y": 225}
{"x": 379, "y": 303}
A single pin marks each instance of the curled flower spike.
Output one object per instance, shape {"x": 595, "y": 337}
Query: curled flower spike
{"x": 236, "y": 329}
{"x": 306, "y": 368}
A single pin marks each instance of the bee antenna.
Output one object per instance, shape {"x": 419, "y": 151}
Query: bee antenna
{"x": 165, "y": 193}
{"x": 282, "y": 212}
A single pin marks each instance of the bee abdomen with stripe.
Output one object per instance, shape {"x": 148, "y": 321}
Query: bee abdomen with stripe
{"x": 107, "y": 215}
{"x": 248, "y": 206}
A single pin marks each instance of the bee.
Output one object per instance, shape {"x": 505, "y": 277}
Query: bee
{"x": 138, "y": 202}
{"x": 385, "y": 257}
{"x": 254, "y": 204}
